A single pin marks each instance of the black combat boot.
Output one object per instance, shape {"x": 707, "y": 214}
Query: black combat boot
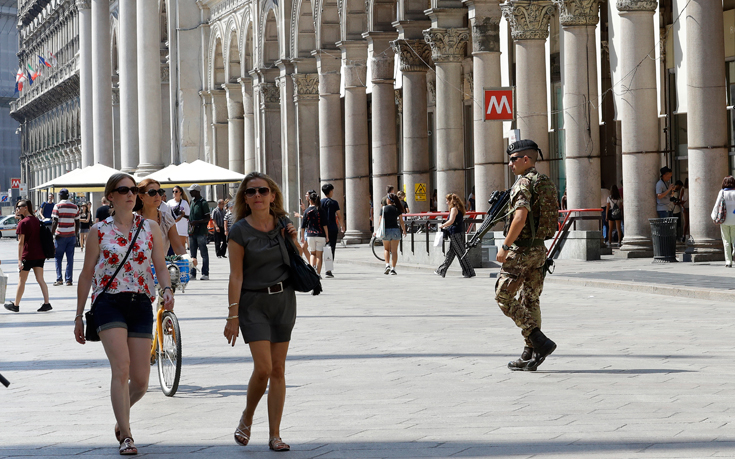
{"x": 542, "y": 348}
{"x": 520, "y": 364}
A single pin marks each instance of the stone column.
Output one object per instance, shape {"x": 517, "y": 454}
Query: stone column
{"x": 206, "y": 120}
{"x": 270, "y": 112}
{"x": 85, "y": 82}
{"x": 579, "y": 19}
{"x": 639, "y": 121}
{"x": 413, "y": 55}
{"x": 357, "y": 153}
{"x": 102, "y": 82}
{"x": 150, "y": 126}
{"x": 489, "y": 148}
{"x": 385, "y": 154}
{"x": 331, "y": 153}
{"x": 220, "y": 136}
{"x": 246, "y": 87}
{"x": 128, "y": 87}
{"x": 289, "y": 157}
{"x": 306, "y": 98}
{"x": 235, "y": 127}
{"x": 448, "y": 51}
{"x": 529, "y": 23}
{"x": 116, "y": 127}
{"x": 706, "y": 124}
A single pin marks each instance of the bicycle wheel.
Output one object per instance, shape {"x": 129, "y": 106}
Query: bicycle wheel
{"x": 169, "y": 354}
{"x": 372, "y": 246}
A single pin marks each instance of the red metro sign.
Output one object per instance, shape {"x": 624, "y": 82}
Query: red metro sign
{"x": 500, "y": 104}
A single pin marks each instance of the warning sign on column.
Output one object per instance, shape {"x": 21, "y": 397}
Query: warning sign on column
{"x": 420, "y": 192}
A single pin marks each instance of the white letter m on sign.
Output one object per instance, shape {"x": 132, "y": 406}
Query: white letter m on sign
{"x": 498, "y": 107}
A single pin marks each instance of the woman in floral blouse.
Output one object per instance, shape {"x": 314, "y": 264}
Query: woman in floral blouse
{"x": 124, "y": 313}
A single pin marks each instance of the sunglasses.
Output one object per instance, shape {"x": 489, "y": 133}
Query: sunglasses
{"x": 20, "y": 205}
{"x": 152, "y": 192}
{"x": 127, "y": 189}
{"x": 176, "y": 191}
{"x": 513, "y": 159}
{"x": 263, "y": 191}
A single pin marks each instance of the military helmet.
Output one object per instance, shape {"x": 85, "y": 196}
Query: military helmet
{"x": 522, "y": 145}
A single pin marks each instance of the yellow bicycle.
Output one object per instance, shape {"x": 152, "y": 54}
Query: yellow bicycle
{"x": 166, "y": 345}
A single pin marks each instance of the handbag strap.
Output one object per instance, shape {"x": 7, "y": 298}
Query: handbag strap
{"x": 125, "y": 258}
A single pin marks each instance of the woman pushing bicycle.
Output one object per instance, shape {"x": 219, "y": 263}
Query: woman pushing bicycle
{"x": 123, "y": 302}
{"x": 262, "y": 303}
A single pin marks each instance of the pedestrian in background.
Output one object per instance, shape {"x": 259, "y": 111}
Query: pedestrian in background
{"x": 727, "y": 227}
{"x": 684, "y": 198}
{"x": 123, "y": 303}
{"x": 30, "y": 255}
{"x": 614, "y": 211}
{"x": 262, "y": 303}
{"x": 198, "y": 218}
{"x": 314, "y": 225}
{"x": 179, "y": 206}
{"x": 393, "y": 228}
{"x": 102, "y": 211}
{"x": 46, "y": 210}
{"x": 65, "y": 227}
{"x": 334, "y": 219}
{"x": 85, "y": 221}
{"x": 454, "y": 228}
{"x": 402, "y": 196}
{"x": 664, "y": 193}
{"x": 604, "y": 194}
{"x": 148, "y": 205}
{"x": 220, "y": 239}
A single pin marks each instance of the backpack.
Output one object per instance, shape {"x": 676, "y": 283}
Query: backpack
{"x": 47, "y": 242}
{"x": 615, "y": 213}
{"x": 545, "y": 197}
{"x": 719, "y": 213}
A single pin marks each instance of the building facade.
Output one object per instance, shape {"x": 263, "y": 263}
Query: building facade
{"x": 366, "y": 93}
{"x": 9, "y": 139}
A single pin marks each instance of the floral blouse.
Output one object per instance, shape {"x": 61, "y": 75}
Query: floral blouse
{"x": 136, "y": 276}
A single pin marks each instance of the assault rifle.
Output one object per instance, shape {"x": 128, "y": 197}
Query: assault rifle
{"x": 498, "y": 203}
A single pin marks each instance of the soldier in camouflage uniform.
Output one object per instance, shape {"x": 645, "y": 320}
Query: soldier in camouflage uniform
{"x": 523, "y": 255}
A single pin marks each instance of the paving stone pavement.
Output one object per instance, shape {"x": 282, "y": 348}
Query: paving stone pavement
{"x": 406, "y": 366}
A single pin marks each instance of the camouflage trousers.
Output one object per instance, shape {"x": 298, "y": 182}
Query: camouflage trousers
{"x": 522, "y": 274}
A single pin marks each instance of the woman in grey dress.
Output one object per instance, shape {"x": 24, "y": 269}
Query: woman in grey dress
{"x": 262, "y": 303}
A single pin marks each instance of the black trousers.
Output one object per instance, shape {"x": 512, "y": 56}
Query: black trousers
{"x": 456, "y": 250}
{"x": 220, "y": 242}
{"x": 333, "y": 239}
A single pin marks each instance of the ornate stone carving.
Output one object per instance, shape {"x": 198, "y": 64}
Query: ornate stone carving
{"x": 164, "y": 73}
{"x": 399, "y": 100}
{"x": 447, "y": 45}
{"x": 84, "y": 4}
{"x": 529, "y": 20}
{"x": 431, "y": 86}
{"x": 637, "y": 5}
{"x": 305, "y": 85}
{"x": 578, "y": 12}
{"x": 486, "y": 35}
{"x": 269, "y": 93}
{"x": 469, "y": 85}
{"x": 413, "y": 55}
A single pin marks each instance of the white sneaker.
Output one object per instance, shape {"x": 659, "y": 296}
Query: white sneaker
{"x": 393, "y": 272}
{"x": 204, "y": 278}
{"x": 387, "y": 270}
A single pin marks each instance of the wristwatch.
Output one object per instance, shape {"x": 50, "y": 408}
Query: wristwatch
{"x": 505, "y": 247}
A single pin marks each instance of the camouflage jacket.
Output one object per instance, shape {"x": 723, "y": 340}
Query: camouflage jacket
{"x": 522, "y": 194}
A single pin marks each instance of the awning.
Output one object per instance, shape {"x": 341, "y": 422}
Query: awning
{"x": 199, "y": 172}
{"x": 90, "y": 178}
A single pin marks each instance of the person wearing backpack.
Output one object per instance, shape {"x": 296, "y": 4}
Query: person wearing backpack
{"x": 30, "y": 255}
{"x": 614, "y": 209}
{"x": 533, "y": 218}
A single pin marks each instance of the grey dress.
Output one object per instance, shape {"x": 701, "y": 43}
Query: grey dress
{"x": 266, "y": 262}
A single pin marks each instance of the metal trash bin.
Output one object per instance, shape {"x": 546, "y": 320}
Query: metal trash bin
{"x": 663, "y": 234}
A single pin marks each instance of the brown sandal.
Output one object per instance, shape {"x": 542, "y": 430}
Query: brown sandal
{"x": 276, "y": 444}
{"x": 242, "y": 433}
{"x": 127, "y": 447}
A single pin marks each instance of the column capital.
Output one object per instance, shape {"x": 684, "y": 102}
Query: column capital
{"x": 234, "y": 100}
{"x": 83, "y": 4}
{"x": 413, "y": 55}
{"x": 636, "y": 5}
{"x": 578, "y": 12}
{"x": 529, "y": 20}
{"x": 486, "y": 35}
{"x": 246, "y": 86}
{"x": 269, "y": 94}
{"x": 305, "y": 86}
{"x": 447, "y": 45}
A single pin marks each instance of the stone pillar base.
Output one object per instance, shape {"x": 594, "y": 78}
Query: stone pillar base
{"x": 580, "y": 245}
{"x": 633, "y": 247}
{"x": 703, "y": 251}
{"x": 356, "y": 237}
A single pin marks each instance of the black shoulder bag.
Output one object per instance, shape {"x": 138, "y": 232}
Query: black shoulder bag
{"x": 303, "y": 276}
{"x": 90, "y": 334}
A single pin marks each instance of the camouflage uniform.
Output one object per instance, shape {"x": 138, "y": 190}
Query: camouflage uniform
{"x": 524, "y": 267}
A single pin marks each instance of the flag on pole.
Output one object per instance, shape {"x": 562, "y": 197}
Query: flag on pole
{"x": 42, "y": 61}
{"x": 19, "y": 78}
{"x": 32, "y": 74}
{"x": 53, "y": 59}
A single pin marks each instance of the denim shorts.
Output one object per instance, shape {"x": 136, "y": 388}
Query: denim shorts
{"x": 131, "y": 311}
{"x": 392, "y": 234}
